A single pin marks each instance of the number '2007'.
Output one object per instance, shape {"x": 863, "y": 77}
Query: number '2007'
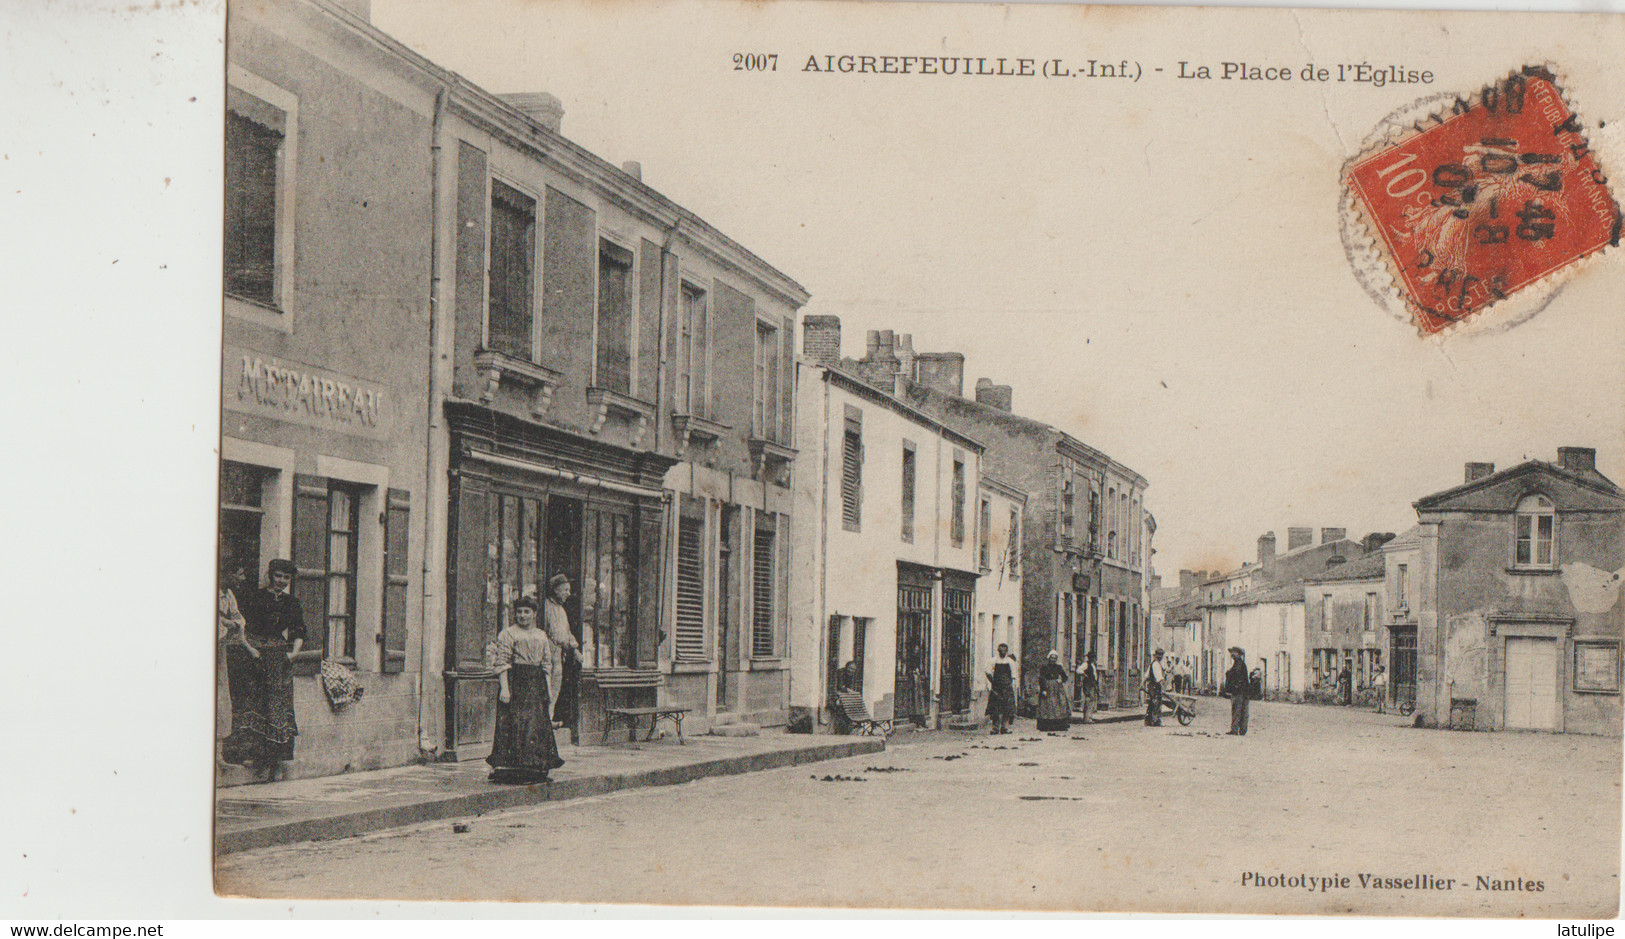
{"x": 756, "y": 62}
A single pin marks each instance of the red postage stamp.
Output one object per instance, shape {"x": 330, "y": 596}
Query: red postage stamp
{"x": 1489, "y": 196}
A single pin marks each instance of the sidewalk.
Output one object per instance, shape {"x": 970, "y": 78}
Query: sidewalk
{"x": 298, "y": 810}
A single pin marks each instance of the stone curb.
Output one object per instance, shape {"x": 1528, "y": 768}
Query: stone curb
{"x": 363, "y": 821}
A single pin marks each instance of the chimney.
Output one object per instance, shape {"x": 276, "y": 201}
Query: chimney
{"x": 941, "y": 371}
{"x": 821, "y": 339}
{"x": 1299, "y": 538}
{"x": 1376, "y": 540}
{"x": 1477, "y": 471}
{"x": 1577, "y": 459}
{"x": 540, "y": 107}
{"x": 633, "y": 169}
{"x": 1266, "y": 549}
{"x": 905, "y": 355}
{"x": 1187, "y": 580}
{"x": 1329, "y": 535}
{"x": 879, "y": 365}
{"x": 994, "y": 396}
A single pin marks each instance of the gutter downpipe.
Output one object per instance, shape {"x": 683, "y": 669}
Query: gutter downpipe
{"x": 428, "y": 739}
{"x": 821, "y": 624}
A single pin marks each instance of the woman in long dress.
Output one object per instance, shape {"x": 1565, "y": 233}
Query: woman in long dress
{"x": 524, "y": 750}
{"x": 1001, "y": 699}
{"x": 1054, "y": 709}
{"x": 259, "y": 672}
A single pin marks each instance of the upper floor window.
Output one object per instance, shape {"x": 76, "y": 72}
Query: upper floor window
{"x": 614, "y": 317}
{"x": 1066, "y": 510}
{"x": 693, "y": 389}
{"x": 1533, "y": 532}
{"x": 511, "y": 291}
{"x": 1325, "y": 611}
{"x": 1401, "y": 584}
{"x": 908, "y": 491}
{"x": 1015, "y": 543}
{"x": 1111, "y": 544}
{"x": 956, "y": 527}
{"x": 765, "y": 398}
{"x": 259, "y": 143}
{"x": 1370, "y": 611}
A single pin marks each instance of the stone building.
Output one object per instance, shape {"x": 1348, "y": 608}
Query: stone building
{"x": 1084, "y": 536}
{"x": 1517, "y": 598}
{"x": 895, "y": 529}
{"x": 1345, "y": 611}
{"x": 530, "y": 362}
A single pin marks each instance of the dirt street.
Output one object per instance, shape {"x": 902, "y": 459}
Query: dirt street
{"x": 1111, "y": 817}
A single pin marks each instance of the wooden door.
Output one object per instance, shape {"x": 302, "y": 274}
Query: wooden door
{"x": 912, "y": 688}
{"x": 1531, "y": 684}
{"x": 955, "y": 650}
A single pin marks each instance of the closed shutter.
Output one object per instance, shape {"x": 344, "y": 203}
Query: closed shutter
{"x": 513, "y": 245}
{"x": 852, "y": 476}
{"x": 614, "y": 318}
{"x": 690, "y": 638}
{"x": 392, "y": 638}
{"x": 310, "y": 557}
{"x": 472, "y": 206}
{"x": 762, "y": 593}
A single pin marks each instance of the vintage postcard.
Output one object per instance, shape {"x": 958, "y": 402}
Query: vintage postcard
{"x": 1030, "y": 457}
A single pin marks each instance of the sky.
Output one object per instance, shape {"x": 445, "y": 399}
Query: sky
{"x": 1157, "y": 265}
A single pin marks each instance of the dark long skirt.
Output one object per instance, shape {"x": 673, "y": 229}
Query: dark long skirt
{"x": 1001, "y": 701}
{"x": 524, "y": 744}
{"x": 262, "y": 721}
{"x": 1054, "y": 710}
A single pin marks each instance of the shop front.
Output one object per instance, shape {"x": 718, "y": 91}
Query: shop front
{"x": 528, "y": 503}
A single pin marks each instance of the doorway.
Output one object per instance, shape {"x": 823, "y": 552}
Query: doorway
{"x": 561, "y": 554}
{"x": 1402, "y": 681}
{"x": 956, "y": 639}
{"x": 912, "y": 687}
{"x": 1531, "y": 684}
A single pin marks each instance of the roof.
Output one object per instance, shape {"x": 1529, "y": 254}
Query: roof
{"x": 1588, "y": 480}
{"x": 1269, "y": 593}
{"x": 1409, "y": 538}
{"x": 1370, "y": 567}
{"x": 863, "y": 389}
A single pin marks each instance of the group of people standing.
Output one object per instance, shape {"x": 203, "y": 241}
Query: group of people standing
{"x": 261, "y": 631}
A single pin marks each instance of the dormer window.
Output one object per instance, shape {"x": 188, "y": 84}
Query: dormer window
{"x": 1533, "y": 529}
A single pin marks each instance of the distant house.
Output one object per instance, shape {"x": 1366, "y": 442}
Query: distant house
{"x": 1343, "y": 616}
{"x": 1267, "y": 622}
{"x": 1518, "y": 612}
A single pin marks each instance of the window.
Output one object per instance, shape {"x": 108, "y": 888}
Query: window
{"x": 1533, "y": 532}
{"x": 762, "y": 645}
{"x": 694, "y": 374}
{"x": 242, "y": 512}
{"x": 1401, "y": 585}
{"x": 1014, "y": 546}
{"x": 513, "y": 247}
{"x": 261, "y": 137}
{"x": 1067, "y": 501}
{"x": 609, "y": 639}
{"x": 343, "y": 527}
{"x": 614, "y": 318}
{"x": 689, "y": 640}
{"x": 956, "y": 524}
{"x": 852, "y": 473}
{"x": 908, "y": 491}
{"x": 765, "y": 412}
{"x": 1325, "y": 611}
{"x": 984, "y": 522}
{"x": 1094, "y": 519}
{"x": 1370, "y": 611}
{"x": 1111, "y": 548}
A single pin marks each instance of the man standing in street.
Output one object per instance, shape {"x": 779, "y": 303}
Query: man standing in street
{"x": 557, "y": 623}
{"x": 1236, "y": 689}
{"x": 1155, "y": 676}
{"x": 1088, "y": 684}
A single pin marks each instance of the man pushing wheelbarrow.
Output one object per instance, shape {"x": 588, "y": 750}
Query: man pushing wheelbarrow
{"x": 1183, "y": 706}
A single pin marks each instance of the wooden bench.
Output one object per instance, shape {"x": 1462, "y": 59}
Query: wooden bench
{"x": 656, "y": 714}
{"x": 611, "y": 680}
{"x": 850, "y": 707}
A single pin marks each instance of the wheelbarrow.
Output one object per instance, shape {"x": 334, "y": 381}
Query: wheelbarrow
{"x": 1184, "y": 707}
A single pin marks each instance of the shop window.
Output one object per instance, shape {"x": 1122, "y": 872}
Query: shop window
{"x": 908, "y": 491}
{"x": 512, "y": 273}
{"x": 693, "y": 381}
{"x": 956, "y": 524}
{"x": 852, "y": 473}
{"x": 1534, "y": 527}
{"x": 763, "y": 592}
{"x": 690, "y": 630}
{"x": 614, "y": 318}
{"x": 242, "y": 518}
{"x": 607, "y": 601}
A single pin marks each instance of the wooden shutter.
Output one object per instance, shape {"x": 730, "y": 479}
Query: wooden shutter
{"x": 570, "y": 260}
{"x": 650, "y": 262}
{"x": 513, "y": 246}
{"x": 392, "y": 637}
{"x": 689, "y": 644}
{"x": 614, "y": 317}
{"x": 762, "y": 593}
{"x": 787, "y": 383}
{"x": 468, "y": 649}
{"x": 469, "y": 276}
{"x": 852, "y": 474}
{"x": 310, "y": 557}
{"x": 909, "y": 485}
{"x": 648, "y": 590}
